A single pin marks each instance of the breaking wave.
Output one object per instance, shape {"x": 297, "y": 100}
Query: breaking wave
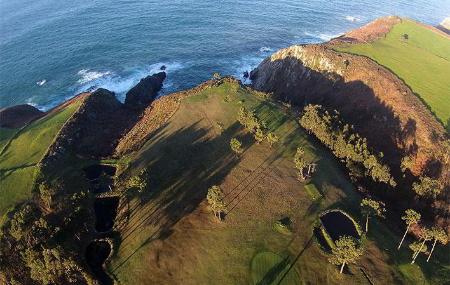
{"x": 120, "y": 83}
{"x": 352, "y": 19}
{"x": 319, "y": 37}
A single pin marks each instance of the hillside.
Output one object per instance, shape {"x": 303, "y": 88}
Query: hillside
{"x": 366, "y": 94}
{"x": 22, "y": 149}
{"x": 421, "y": 59}
{"x": 170, "y": 226}
{"x": 226, "y": 183}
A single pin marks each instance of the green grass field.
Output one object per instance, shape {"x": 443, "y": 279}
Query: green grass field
{"x": 25, "y": 149}
{"x": 269, "y": 268}
{"x": 5, "y": 136}
{"x": 169, "y": 236}
{"x": 313, "y": 191}
{"x": 422, "y": 62}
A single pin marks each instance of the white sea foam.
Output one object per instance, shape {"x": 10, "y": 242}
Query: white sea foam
{"x": 41, "y": 82}
{"x": 352, "y": 19}
{"x": 120, "y": 84}
{"x": 321, "y": 37}
{"x": 87, "y": 75}
{"x": 246, "y": 64}
{"x": 265, "y": 50}
{"x": 45, "y": 107}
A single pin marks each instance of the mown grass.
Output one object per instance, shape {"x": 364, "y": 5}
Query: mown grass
{"x": 25, "y": 149}
{"x": 170, "y": 236}
{"x": 269, "y": 268}
{"x": 313, "y": 192}
{"x": 422, "y": 62}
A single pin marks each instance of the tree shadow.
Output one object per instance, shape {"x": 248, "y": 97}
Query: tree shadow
{"x": 182, "y": 164}
{"x": 384, "y": 238}
{"x": 356, "y": 102}
{"x": 274, "y": 272}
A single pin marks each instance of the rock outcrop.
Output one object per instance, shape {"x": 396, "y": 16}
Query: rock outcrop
{"x": 445, "y": 26}
{"x": 18, "y": 116}
{"x": 97, "y": 126}
{"x": 382, "y": 108}
{"x": 141, "y": 95}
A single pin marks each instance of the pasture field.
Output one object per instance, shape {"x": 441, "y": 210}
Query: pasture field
{"x": 22, "y": 150}
{"x": 421, "y": 59}
{"x": 168, "y": 234}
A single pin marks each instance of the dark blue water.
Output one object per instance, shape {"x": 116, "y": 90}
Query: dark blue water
{"x": 51, "y": 50}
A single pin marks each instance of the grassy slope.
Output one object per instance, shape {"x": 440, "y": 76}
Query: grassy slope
{"x": 269, "y": 268}
{"x": 25, "y": 150}
{"x": 5, "y": 136}
{"x": 427, "y": 77}
{"x": 170, "y": 235}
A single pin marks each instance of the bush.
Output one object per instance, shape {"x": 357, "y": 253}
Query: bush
{"x": 236, "y": 146}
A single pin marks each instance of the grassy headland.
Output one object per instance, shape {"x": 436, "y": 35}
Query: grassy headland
{"x": 22, "y": 150}
{"x": 421, "y": 59}
{"x": 168, "y": 234}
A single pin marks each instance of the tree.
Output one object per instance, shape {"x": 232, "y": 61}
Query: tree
{"x": 427, "y": 187}
{"x": 345, "y": 143}
{"x": 236, "y": 146}
{"x": 438, "y": 235}
{"x": 259, "y": 135}
{"x": 417, "y": 247}
{"x": 46, "y": 193}
{"x": 215, "y": 198}
{"x": 20, "y": 222}
{"x": 425, "y": 235}
{"x": 138, "y": 182}
{"x": 242, "y": 115}
{"x": 272, "y": 138}
{"x": 300, "y": 162}
{"x": 411, "y": 217}
{"x": 50, "y": 266}
{"x": 346, "y": 251}
{"x": 370, "y": 207}
{"x": 249, "y": 120}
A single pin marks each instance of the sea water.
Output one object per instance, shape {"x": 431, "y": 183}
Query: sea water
{"x": 51, "y": 50}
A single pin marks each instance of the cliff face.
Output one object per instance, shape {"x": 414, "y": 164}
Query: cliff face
{"x": 445, "y": 25}
{"x": 100, "y": 122}
{"x": 145, "y": 91}
{"x": 18, "y": 116}
{"x": 380, "y": 105}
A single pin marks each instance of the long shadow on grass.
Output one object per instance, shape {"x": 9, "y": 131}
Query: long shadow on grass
{"x": 274, "y": 272}
{"x": 308, "y": 243}
{"x": 249, "y": 183}
{"x": 182, "y": 164}
{"x": 386, "y": 240}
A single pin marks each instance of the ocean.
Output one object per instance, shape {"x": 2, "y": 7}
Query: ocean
{"x": 51, "y": 50}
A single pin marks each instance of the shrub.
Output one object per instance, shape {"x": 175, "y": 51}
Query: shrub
{"x": 236, "y": 146}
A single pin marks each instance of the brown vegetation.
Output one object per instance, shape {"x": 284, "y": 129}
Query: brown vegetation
{"x": 371, "y": 31}
{"x": 379, "y": 105}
